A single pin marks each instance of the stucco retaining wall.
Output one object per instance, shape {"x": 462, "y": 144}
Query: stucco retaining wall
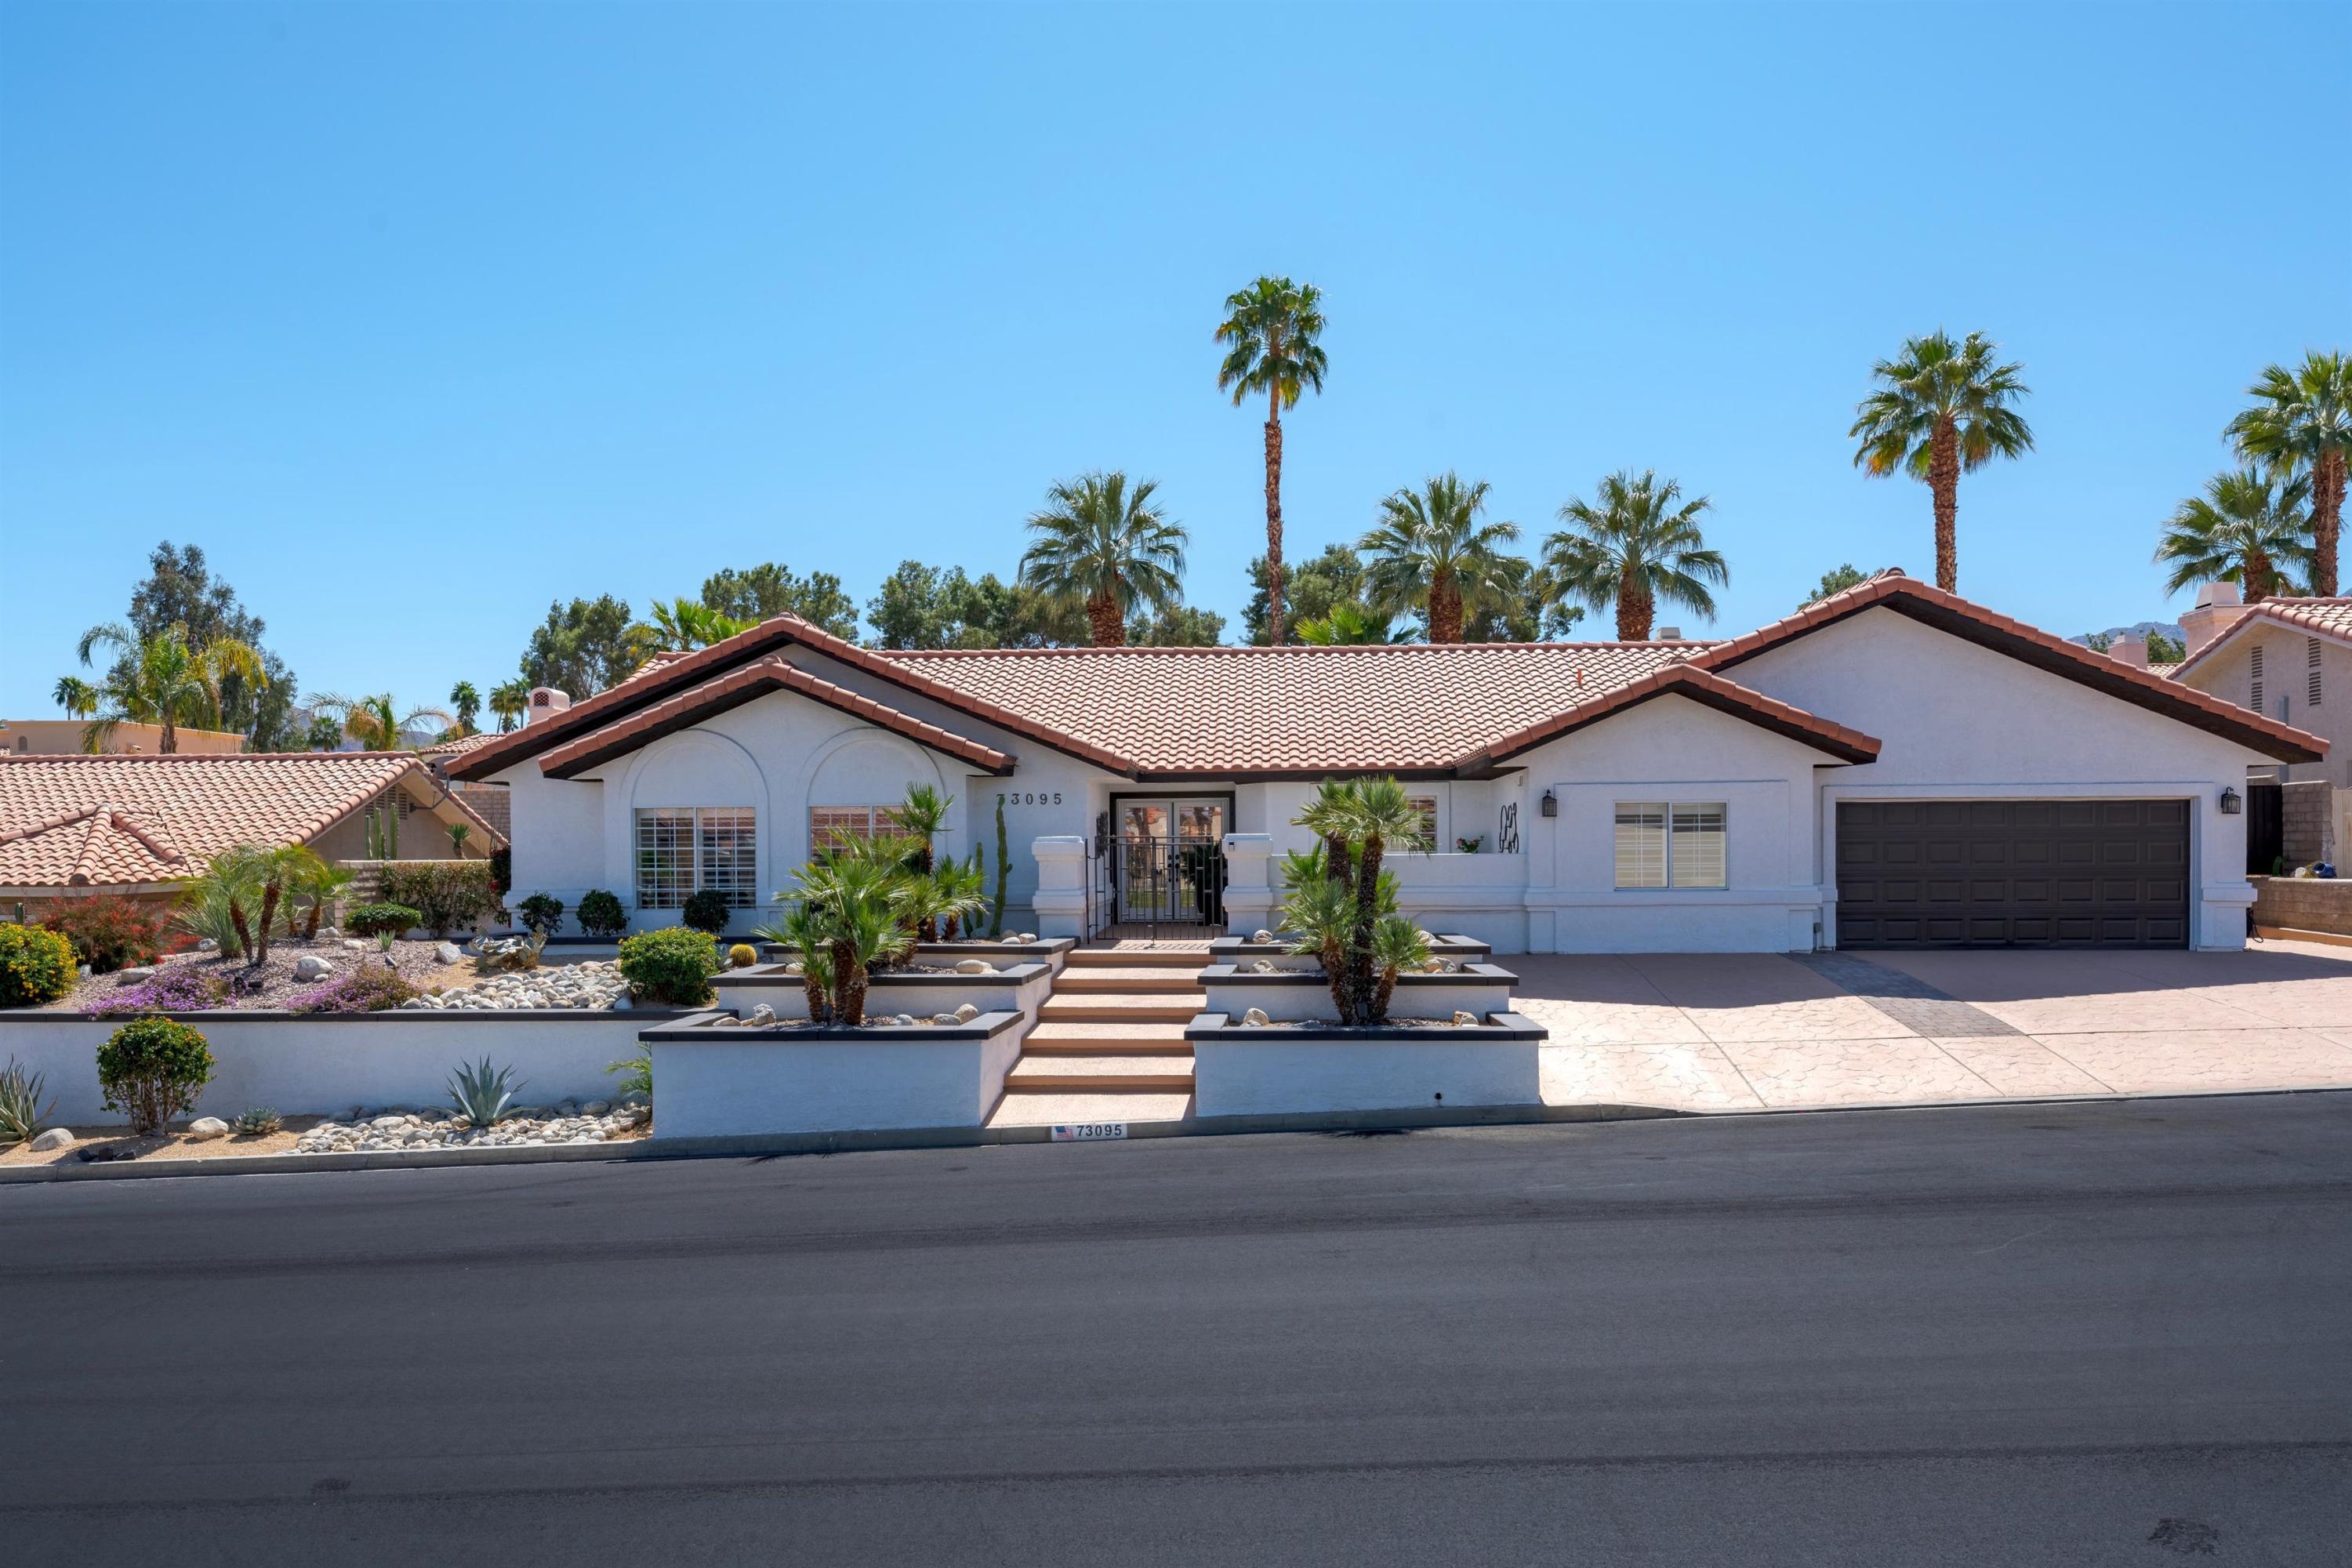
{"x": 739, "y": 1083}
{"x": 1479, "y": 988}
{"x": 1270, "y": 1071}
{"x": 1021, "y": 988}
{"x": 2304, "y": 903}
{"x": 324, "y": 1065}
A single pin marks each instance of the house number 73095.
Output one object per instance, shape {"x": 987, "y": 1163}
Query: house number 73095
{"x": 1030, "y": 797}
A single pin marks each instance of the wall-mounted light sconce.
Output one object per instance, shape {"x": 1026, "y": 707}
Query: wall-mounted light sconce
{"x": 2231, "y": 803}
{"x": 1550, "y": 805}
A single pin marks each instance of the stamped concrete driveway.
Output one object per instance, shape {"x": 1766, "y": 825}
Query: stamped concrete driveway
{"x": 1755, "y": 1031}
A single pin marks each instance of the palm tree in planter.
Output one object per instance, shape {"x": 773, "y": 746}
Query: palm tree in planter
{"x": 2243, "y": 530}
{"x": 802, "y": 930}
{"x": 1632, "y": 547}
{"x": 1343, "y": 903}
{"x": 2303, "y": 419}
{"x": 853, "y": 905}
{"x": 1940, "y": 409}
{"x": 922, "y": 816}
{"x": 1105, "y": 545}
{"x": 1431, "y": 552}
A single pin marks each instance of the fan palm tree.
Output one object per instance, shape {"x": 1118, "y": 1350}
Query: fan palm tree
{"x": 161, "y": 680}
{"x": 853, "y": 906}
{"x": 1272, "y": 326}
{"x": 1348, "y": 624}
{"x": 2245, "y": 529}
{"x": 511, "y": 699}
{"x": 1941, "y": 409}
{"x": 1431, "y": 552}
{"x": 2303, "y": 418}
{"x": 1634, "y": 547}
{"x": 1106, "y": 546}
{"x": 922, "y": 816}
{"x": 375, "y": 722}
{"x": 682, "y": 623}
{"x": 78, "y": 696}
{"x": 466, "y": 703}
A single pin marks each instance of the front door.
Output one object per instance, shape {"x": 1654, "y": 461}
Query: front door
{"x": 1170, "y": 859}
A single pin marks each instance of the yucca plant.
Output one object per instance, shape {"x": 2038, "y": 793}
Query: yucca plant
{"x": 258, "y": 1122}
{"x": 481, "y": 1094}
{"x": 22, "y": 1114}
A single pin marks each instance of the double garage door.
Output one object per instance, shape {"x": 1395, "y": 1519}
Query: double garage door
{"x": 2013, "y": 873}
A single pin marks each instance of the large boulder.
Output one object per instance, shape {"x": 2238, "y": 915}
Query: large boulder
{"x": 54, "y": 1139}
{"x": 204, "y": 1129}
{"x": 448, "y": 952}
{"x": 309, "y": 966}
{"x": 974, "y": 966}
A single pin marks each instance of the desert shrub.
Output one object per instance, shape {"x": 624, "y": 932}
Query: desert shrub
{"x": 742, "y": 955}
{"x": 108, "y": 930}
{"x": 502, "y": 872}
{"x": 383, "y": 920}
{"x": 36, "y": 965}
{"x": 259, "y": 1121}
{"x": 706, "y": 910}
{"x": 542, "y": 913}
{"x": 151, "y": 1070}
{"x": 367, "y": 989}
{"x": 22, "y": 1114}
{"x": 636, "y": 1073}
{"x": 445, "y": 894}
{"x": 673, "y": 964}
{"x": 600, "y": 914}
{"x": 182, "y": 988}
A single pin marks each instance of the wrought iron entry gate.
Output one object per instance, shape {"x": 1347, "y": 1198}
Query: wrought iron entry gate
{"x": 1161, "y": 864}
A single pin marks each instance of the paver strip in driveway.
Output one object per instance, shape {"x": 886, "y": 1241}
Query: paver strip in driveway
{"x": 1744, "y": 1032}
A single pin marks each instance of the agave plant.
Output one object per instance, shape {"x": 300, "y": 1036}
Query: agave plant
{"x": 22, "y": 1114}
{"x": 482, "y": 1095}
{"x": 259, "y": 1121}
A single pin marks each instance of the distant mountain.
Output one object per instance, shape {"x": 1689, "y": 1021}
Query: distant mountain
{"x": 2167, "y": 628}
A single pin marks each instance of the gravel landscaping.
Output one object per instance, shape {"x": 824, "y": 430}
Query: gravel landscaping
{"x": 597, "y": 1122}
{"x": 275, "y": 982}
{"x": 596, "y": 984}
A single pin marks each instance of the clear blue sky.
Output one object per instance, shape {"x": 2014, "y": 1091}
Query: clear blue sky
{"x": 416, "y": 317}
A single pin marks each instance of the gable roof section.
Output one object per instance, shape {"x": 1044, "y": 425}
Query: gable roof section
{"x": 744, "y": 684}
{"x": 1699, "y": 685}
{"x": 2330, "y": 618}
{"x": 1411, "y": 708}
{"x": 667, "y": 675}
{"x": 124, "y": 820}
{"x": 1973, "y": 623}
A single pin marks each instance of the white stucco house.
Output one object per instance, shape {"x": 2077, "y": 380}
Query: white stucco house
{"x": 1895, "y": 766}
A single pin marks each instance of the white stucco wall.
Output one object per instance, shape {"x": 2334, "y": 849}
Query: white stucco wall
{"x": 2286, "y": 693}
{"x": 1960, "y": 721}
{"x": 734, "y": 1083}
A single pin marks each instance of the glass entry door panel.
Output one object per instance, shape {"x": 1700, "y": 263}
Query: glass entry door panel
{"x": 1171, "y": 861}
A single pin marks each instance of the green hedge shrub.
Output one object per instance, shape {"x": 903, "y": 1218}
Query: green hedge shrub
{"x": 673, "y": 964}
{"x": 446, "y": 894}
{"x": 36, "y": 965}
{"x": 600, "y": 914}
{"x": 542, "y": 913}
{"x": 109, "y": 931}
{"x": 152, "y": 1069}
{"x": 706, "y": 910}
{"x": 376, "y": 919}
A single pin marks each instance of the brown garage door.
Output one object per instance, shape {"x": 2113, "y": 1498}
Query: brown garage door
{"x": 2013, "y": 873}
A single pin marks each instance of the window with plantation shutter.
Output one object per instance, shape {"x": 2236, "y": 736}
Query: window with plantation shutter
{"x": 682, "y": 850}
{"x": 1694, "y": 855}
{"x": 1640, "y": 844}
{"x": 1672, "y": 844}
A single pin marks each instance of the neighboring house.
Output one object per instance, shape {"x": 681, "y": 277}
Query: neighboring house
{"x": 2290, "y": 659}
{"x": 487, "y": 801}
{"x": 139, "y": 826}
{"x": 58, "y": 737}
{"x": 1895, "y": 766}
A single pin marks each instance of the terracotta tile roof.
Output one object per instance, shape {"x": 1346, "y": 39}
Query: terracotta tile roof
{"x": 1700, "y": 685}
{"x": 2328, "y": 617}
{"x": 737, "y": 687}
{"x": 1408, "y": 708}
{"x": 460, "y": 746}
{"x": 113, "y": 821}
{"x": 2166, "y": 670}
{"x": 1950, "y": 613}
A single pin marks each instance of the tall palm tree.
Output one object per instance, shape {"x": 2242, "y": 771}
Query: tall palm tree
{"x": 2304, "y": 418}
{"x": 511, "y": 699}
{"x": 78, "y": 696}
{"x": 683, "y": 623}
{"x": 468, "y": 704}
{"x": 1105, "y": 546}
{"x": 1941, "y": 409}
{"x": 1272, "y": 326}
{"x": 1634, "y": 548}
{"x": 2245, "y": 529}
{"x": 1431, "y": 552}
{"x": 375, "y": 722}
{"x": 161, "y": 680}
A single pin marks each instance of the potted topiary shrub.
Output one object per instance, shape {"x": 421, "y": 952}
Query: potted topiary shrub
{"x": 600, "y": 914}
{"x": 36, "y": 966}
{"x": 151, "y": 1070}
{"x": 673, "y": 965}
{"x": 706, "y": 910}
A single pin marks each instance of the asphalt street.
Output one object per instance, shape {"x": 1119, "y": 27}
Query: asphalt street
{"x": 2016, "y": 1336}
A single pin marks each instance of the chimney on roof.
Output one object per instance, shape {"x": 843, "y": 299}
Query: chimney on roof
{"x": 546, "y": 702}
{"x": 2129, "y": 648}
{"x": 2218, "y": 607}
{"x": 1667, "y": 634}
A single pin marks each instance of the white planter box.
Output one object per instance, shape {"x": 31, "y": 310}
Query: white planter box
{"x": 741, "y": 1083}
{"x": 1022, "y": 989}
{"x": 1290, "y": 994}
{"x": 1275, "y": 1071}
{"x": 1242, "y": 952}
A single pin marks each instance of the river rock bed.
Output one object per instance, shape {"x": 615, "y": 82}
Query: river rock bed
{"x": 595, "y": 985}
{"x": 597, "y": 1122}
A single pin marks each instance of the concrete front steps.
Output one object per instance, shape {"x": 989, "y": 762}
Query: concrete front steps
{"x": 1109, "y": 1043}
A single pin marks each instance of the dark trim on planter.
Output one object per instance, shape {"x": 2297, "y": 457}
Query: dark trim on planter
{"x": 1019, "y": 975}
{"x": 405, "y": 1015}
{"x": 1440, "y": 946}
{"x": 1221, "y": 1027}
{"x": 1468, "y": 975}
{"x": 697, "y": 1030}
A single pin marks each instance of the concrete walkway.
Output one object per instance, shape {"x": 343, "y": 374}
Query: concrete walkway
{"x": 1749, "y": 1032}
